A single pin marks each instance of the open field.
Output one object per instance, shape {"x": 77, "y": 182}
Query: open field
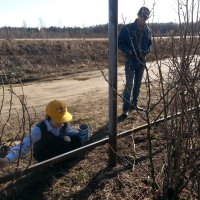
{"x": 28, "y": 60}
{"x": 70, "y": 70}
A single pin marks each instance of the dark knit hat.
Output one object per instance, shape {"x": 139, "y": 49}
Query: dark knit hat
{"x": 144, "y": 12}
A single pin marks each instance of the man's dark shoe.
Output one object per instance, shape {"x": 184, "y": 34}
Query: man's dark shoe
{"x": 137, "y": 108}
{"x": 122, "y": 117}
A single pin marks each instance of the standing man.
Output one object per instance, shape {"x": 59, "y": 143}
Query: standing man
{"x": 134, "y": 41}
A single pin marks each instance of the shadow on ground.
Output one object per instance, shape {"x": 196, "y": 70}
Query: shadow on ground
{"x": 99, "y": 179}
{"x": 35, "y": 184}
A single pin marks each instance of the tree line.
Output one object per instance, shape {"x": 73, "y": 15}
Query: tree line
{"x": 97, "y": 31}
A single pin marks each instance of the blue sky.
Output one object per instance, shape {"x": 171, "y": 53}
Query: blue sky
{"x": 82, "y": 13}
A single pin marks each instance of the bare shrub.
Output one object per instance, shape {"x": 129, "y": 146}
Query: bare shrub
{"x": 178, "y": 93}
{"x": 173, "y": 90}
{"x": 14, "y": 123}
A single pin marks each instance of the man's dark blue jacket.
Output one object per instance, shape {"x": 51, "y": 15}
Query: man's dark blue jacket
{"x": 135, "y": 43}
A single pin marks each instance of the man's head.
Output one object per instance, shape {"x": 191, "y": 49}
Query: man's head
{"x": 57, "y": 111}
{"x": 144, "y": 13}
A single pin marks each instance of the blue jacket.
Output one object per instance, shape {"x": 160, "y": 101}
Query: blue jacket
{"x": 131, "y": 38}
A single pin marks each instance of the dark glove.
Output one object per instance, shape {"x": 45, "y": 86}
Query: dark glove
{"x": 141, "y": 56}
{"x": 129, "y": 53}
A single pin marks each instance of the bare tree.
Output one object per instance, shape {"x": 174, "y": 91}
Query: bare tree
{"x": 179, "y": 92}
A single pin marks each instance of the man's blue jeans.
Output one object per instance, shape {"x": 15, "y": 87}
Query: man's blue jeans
{"x": 134, "y": 72}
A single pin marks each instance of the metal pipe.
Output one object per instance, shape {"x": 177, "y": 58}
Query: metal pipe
{"x": 53, "y": 160}
{"x": 83, "y": 149}
{"x": 112, "y": 33}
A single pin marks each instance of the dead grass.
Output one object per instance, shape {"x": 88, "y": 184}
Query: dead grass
{"x": 87, "y": 176}
{"x": 35, "y": 60}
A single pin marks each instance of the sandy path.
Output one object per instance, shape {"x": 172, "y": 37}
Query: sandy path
{"x": 70, "y": 89}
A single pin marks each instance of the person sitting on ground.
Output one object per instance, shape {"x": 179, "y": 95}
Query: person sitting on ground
{"x": 50, "y": 137}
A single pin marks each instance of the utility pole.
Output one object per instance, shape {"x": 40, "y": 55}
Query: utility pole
{"x": 112, "y": 33}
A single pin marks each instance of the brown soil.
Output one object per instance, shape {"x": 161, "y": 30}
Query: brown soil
{"x": 86, "y": 85}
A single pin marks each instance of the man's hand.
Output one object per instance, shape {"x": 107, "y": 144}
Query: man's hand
{"x": 4, "y": 162}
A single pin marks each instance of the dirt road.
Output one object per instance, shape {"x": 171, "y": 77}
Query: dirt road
{"x": 70, "y": 89}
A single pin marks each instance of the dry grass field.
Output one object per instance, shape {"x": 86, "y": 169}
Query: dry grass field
{"x": 86, "y": 176}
